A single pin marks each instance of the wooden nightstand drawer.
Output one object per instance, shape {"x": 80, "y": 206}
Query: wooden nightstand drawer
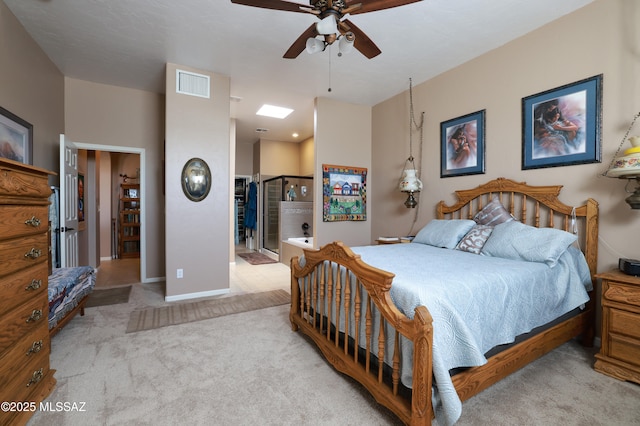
{"x": 624, "y": 349}
{"x": 624, "y": 323}
{"x": 621, "y": 293}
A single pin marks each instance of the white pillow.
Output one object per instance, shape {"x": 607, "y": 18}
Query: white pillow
{"x": 444, "y": 233}
{"x": 515, "y": 240}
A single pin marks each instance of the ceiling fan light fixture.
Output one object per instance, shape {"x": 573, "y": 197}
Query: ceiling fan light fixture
{"x": 345, "y": 45}
{"x": 327, "y": 25}
{"x": 314, "y": 45}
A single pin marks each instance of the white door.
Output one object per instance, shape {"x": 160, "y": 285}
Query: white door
{"x": 68, "y": 203}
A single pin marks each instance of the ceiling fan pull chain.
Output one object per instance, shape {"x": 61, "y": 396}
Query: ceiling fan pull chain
{"x": 329, "y": 69}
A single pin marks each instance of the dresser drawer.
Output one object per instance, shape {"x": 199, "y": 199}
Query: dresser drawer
{"x": 16, "y": 221}
{"x": 30, "y": 283}
{"x": 20, "y": 253}
{"x": 27, "y": 379}
{"x": 22, "y": 320}
{"x": 22, "y": 355}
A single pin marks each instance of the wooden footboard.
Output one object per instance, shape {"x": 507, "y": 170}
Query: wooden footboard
{"x": 321, "y": 297}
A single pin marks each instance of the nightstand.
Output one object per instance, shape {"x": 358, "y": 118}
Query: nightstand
{"x": 392, "y": 240}
{"x": 619, "y": 355}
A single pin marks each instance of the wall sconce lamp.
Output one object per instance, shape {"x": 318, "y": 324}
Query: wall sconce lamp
{"x": 628, "y": 166}
{"x": 409, "y": 181}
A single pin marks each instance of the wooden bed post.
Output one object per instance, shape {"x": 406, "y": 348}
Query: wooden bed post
{"x": 421, "y": 403}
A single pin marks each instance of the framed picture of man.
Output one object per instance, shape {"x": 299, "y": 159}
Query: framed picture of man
{"x": 562, "y": 126}
{"x": 462, "y": 145}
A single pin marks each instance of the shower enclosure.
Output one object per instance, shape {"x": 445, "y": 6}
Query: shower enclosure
{"x": 277, "y": 190}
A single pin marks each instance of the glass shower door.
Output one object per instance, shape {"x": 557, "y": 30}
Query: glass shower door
{"x": 271, "y": 213}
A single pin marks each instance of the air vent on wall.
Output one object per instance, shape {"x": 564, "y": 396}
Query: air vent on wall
{"x": 189, "y": 83}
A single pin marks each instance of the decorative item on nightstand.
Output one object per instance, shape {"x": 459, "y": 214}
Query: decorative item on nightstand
{"x": 409, "y": 181}
{"x": 628, "y": 166}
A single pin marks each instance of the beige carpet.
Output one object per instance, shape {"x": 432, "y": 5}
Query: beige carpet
{"x": 251, "y": 369}
{"x": 108, "y": 296}
{"x": 180, "y": 313}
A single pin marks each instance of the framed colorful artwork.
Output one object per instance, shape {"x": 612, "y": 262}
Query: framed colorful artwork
{"x": 563, "y": 126}
{"x": 344, "y": 191}
{"x": 462, "y": 145}
{"x": 16, "y": 138}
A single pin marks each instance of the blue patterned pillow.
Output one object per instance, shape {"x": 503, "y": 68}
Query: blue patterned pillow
{"x": 444, "y": 233}
{"x": 515, "y": 240}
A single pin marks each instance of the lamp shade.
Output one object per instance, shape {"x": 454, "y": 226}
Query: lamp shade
{"x": 346, "y": 42}
{"x": 327, "y": 25}
{"x": 410, "y": 182}
{"x": 314, "y": 45}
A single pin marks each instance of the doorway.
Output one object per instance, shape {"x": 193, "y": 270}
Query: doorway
{"x": 141, "y": 264}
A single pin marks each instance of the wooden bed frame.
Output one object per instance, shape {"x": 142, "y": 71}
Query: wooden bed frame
{"x": 534, "y": 205}
{"x": 69, "y": 316}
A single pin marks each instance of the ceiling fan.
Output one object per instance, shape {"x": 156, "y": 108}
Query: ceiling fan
{"x": 332, "y": 26}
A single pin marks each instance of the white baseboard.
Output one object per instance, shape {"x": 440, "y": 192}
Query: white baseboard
{"x": 198, "y": 295}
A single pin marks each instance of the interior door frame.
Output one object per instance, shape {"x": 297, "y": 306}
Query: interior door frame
{"x": 143, "y": 203}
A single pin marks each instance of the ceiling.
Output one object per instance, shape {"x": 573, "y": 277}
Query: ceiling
{"x": 128, "y": 42}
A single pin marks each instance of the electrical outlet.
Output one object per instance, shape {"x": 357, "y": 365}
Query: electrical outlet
{"x": 179, "y": 273}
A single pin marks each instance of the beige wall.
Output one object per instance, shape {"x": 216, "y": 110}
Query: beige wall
{"x": 307, "y": 157}
{"x": 197, "y": 233}
{"x": 278, "y": 158}
{"x": 600, "y": 38}
{"x": 107, "y": 115}
{"x": 32, "y": 88}
{"x": 342, "y": 138}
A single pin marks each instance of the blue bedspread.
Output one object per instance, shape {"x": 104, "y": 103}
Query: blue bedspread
{"x": 67, "y": 287}
{"x": 477, "y": 302}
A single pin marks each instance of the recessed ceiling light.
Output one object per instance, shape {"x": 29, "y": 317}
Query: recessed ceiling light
{"x": 295, "y": 135}
{"x": 274, "y": 111}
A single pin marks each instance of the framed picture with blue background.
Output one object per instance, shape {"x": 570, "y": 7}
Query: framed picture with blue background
{"x": 562, "y": 126}
{"x": 462, "y": 145}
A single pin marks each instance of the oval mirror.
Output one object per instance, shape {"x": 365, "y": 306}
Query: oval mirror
{"x": 196, "y": 179}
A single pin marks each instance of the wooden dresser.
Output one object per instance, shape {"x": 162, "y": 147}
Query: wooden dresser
{"x": 619, "y": 355}
{"x": 25, "y": 377}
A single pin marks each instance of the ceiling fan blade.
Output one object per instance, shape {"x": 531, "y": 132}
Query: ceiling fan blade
{"x": 301, "y": 43}
{"x": 274, "y": 4}
{"x": 351, "y": 8}
{"x": 373, "y": 5}
{"x": 363, "y": 43}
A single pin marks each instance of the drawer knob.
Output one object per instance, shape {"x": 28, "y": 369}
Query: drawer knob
{"x": 35, "y": 315}
{"x": 35, "y": 348}
{"x": 34, "y": 221}
{"x": 36, "y": 377}
{"x": 35, "y": 284}
{"x": 34, "y": 253}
